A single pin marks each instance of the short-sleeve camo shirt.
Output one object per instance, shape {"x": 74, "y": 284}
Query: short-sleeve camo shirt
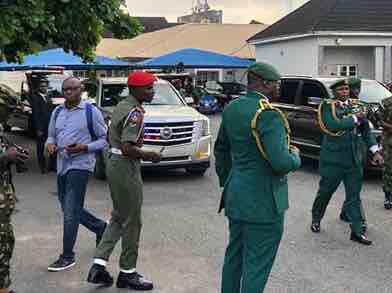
{"x": 127, "y": 123}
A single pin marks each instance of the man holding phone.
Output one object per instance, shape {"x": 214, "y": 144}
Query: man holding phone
{"x": 76, "y": 141}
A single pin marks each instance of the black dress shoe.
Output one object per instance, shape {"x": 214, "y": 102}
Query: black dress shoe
{"x": 100, "y": 276}
{"x": 360, "y": 239}
{"x": 133, "y": 281}
{"x": 315, "y": 227}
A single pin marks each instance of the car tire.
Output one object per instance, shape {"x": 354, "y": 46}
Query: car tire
{"x": 100, "y": 167}
{"x": 196, "y": 171}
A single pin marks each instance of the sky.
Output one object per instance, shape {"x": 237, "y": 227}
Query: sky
{"x": 234, "y": 11}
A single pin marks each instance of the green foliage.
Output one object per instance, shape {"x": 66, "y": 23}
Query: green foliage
{"x": 28, "y": 26}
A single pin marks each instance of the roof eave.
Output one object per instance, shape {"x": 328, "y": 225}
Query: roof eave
{"x": 320, "y": 34}
{"x": 280, "y": 38}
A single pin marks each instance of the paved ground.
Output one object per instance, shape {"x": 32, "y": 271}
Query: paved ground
{"x": 183, "y": 239}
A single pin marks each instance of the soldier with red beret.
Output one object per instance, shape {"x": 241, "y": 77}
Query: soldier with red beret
{"x": 125, "y": 182}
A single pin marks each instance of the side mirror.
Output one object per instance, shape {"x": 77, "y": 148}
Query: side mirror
{"x": 314, "y": 101}
{"x": 189, "y": 100}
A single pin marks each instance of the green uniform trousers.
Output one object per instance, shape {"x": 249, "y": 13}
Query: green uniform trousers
{"x": 125, "y": 183}
{"x": 7, "y": 242}
{"x": 329, "y": 182}
{"x": 250, "y": 255}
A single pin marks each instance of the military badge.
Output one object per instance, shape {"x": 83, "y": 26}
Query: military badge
{"x": 135, "y": 116}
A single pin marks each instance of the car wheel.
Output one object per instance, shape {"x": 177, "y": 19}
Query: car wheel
{"x": 100, "y": 167}
{"x": 196, "y": 171}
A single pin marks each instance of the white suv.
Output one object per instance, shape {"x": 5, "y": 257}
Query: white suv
{"x": 169, "y": 122}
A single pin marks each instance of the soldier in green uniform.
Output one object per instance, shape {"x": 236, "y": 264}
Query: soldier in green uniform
{"x": 8, "y": 155}
{"x": 386, "y": 114}
{"x": 341, "y": 158}
{"x": 125, "y": 182}
{"x": 253, "y": 156}
{"x": 355, "y": 89}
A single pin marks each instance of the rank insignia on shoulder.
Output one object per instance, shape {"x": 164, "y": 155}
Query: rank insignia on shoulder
{"x": 135, "y": 116}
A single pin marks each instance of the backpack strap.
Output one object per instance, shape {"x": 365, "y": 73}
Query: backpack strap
{"x": 89, "y": 117}
{"x": 57, "y": 112}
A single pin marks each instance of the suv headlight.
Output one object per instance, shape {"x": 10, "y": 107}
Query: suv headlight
{"x": 205, "y": 127}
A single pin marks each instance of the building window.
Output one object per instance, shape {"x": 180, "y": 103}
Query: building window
{"x": 82, "y": 74}
{"x": 347, "y": 70}
{"x": 205, "y": 76}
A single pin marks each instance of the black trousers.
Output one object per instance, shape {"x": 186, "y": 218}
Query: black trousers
{"x": 43, "y": 165}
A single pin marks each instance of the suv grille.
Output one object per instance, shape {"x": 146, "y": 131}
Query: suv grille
{"x": 168, "y": 133}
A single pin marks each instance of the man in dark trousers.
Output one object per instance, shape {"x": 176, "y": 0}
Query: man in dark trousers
{"x": 42, "y": 109}
{"x": 253, "y": 156}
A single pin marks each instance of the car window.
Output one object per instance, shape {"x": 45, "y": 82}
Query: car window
{"x": 164, "y": 95}
{"x": 288, "y": 91}
{"x": 371, "y": 91}
{"x": 312, "y": 89}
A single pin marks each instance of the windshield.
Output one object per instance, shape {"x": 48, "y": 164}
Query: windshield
{"x": 164, "y": 95}
{"x": 371, "y": 91}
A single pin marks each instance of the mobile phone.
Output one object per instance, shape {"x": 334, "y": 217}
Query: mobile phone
{"x": 72, "y": 145}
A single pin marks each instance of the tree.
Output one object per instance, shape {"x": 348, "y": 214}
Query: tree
{"x": 28, "y": 26}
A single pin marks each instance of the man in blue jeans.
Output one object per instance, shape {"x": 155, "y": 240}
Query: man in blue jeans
{"x": 76, "y": 141}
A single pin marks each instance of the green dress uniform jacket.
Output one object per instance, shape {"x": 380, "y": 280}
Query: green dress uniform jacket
{"x": 125, "y": 183}
{"x": 255, "y": 191}
{"x": 341, "y": 159}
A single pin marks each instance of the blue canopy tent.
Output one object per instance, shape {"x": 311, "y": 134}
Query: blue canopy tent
{"x": 195, "y": 58}
{"x": 69, "y": 61}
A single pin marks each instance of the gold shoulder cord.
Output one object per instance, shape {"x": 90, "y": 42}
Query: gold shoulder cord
{"x": 265, "y": 106}
{"x": 321, "y": 122}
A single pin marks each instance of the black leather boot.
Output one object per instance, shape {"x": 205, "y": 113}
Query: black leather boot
{"x": 133, "y": 281}
{"x": 100, "y": 276}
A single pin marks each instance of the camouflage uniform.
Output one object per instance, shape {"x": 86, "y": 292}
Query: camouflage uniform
{"x": 387, "y": 147}
{"x": 7, "y": 204}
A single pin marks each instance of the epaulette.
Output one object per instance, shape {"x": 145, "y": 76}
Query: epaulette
{"x": 265, "y": 105}
{"x": 329, "y": 101}
{"x": 135, "y": 115}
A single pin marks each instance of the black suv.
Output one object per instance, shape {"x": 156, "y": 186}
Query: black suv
{"x": 299, "y": 99}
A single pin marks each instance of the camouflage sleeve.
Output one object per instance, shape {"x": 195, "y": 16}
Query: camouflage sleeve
{"x": 132, "y": 126}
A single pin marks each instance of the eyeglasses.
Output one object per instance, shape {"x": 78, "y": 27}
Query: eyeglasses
{"x": 71, "y": 88}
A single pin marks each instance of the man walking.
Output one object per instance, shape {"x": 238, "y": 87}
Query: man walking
{"x": 76, "y": 131}
{"x": 355, "y": 89}
{"x": 41, "y": 111}
{"x": 253, "y": 157}
{"x": 126, "y": 139}
{"x": 341, "y": 159}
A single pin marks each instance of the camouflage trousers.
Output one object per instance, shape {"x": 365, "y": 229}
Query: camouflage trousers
{"x": 7, "y": 242}
{"x": 387, "y": 172}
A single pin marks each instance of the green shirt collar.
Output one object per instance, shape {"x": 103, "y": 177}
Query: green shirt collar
{"x": 133, "y": 100}
{"x": 256, "y": 95}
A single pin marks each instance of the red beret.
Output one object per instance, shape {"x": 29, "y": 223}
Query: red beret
{"x": 141, "y": 78}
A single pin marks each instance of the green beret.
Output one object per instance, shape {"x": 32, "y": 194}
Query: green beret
{"x": 338, "y": 83}
{"x": 354, "y": 83}
{"x": 265, "y": 71}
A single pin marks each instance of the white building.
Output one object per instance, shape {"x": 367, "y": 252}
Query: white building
{"x": 331, "y": 38}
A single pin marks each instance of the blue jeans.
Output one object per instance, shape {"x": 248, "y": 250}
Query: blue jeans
{"x": 71, "y": 191}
